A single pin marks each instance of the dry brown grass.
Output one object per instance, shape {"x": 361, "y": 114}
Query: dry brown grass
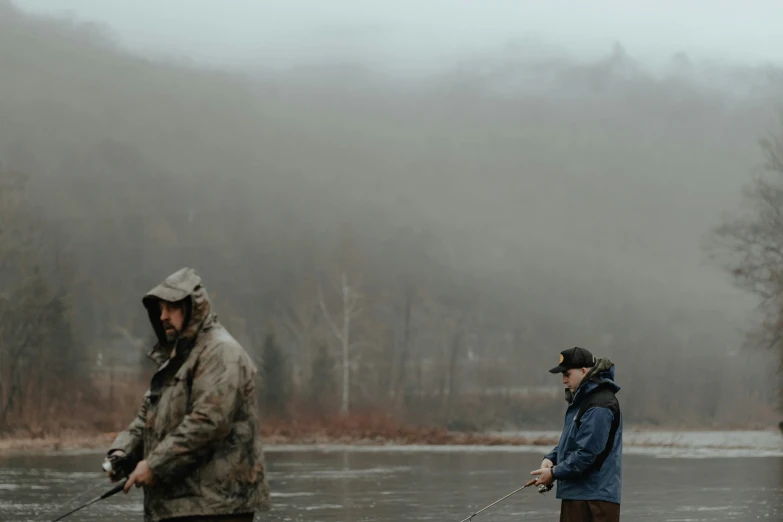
{"x": 371, "y": 428}
{"x": 61, "y": 442}
{"x": 353, "y": 429}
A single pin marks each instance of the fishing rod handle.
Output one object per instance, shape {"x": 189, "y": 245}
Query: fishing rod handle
{"x": 116, "y": 489}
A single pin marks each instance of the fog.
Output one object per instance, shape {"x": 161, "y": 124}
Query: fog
{"x": 423, "y": 36}
{"x": 498, "y": 185}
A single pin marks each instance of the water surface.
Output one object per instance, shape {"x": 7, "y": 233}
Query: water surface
{"x": 416, "y": 484}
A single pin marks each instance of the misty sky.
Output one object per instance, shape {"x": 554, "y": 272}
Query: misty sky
{"x": 418, "y": 36}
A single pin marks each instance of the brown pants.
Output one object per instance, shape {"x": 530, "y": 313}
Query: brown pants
{"x": 589, "y": 511}
{"x": 213, "y": 518}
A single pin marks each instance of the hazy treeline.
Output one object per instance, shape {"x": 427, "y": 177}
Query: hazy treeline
{"x": 447, "y": 236}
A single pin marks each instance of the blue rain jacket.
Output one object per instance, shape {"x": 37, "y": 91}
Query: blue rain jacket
{"x": 587, "y": 467}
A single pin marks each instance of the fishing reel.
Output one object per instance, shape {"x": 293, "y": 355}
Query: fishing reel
{"x": 118, "y": 466}
{"x": 543, "y": 489}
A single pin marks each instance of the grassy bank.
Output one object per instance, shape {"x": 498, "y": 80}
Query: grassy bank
{"x": 366, "y": 429}
{"x": 355, "y": 429}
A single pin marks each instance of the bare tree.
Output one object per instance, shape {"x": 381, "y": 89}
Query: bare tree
{"x": 752, "y": 244}
{"x": 401, "y": 361}
{"x": 301, "y": 321}
{"x": 36, "y": 342}
{"x": 350, "y": 309}
{"x": 752, "y": 241}
{"x": 395, "y": 309}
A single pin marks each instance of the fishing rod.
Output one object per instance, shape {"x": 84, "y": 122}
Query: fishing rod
{"x": 118, "y": 466}
{"x": 113, "y": 491}
{"x": 541, "y": 489}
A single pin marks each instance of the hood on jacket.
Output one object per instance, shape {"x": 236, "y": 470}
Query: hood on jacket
{"x": 602, "y": 372}
{"x": 184, "y": 284}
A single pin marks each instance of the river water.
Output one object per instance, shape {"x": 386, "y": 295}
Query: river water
{"x": 423, "y": 483}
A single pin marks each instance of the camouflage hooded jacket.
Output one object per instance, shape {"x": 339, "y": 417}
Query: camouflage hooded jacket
{"x": 198, "y": 423}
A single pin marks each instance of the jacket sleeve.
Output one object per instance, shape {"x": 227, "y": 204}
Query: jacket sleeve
{"x": 590, "y": 439}
{"x": 214, "y": 398}
{"x": 553, "y": 455}
{"x": 131, "y": 441}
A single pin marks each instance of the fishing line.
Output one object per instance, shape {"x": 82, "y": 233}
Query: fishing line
{"x": 541, "y": 489}
{"x": 102, "y": 482}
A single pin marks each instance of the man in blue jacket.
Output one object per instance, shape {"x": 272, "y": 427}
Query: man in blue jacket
{"x": 587, "y": 462}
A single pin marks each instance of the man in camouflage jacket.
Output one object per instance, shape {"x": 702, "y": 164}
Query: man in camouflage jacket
{"x": 195, "y": 438}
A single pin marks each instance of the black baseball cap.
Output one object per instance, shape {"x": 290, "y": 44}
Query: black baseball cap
{"x": 574, "y": 358}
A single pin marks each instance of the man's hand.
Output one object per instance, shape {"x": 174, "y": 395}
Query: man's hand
{"x": 546, "y": 463}
{"x": 141, "y": 476}
{"x": 545, "y": 476}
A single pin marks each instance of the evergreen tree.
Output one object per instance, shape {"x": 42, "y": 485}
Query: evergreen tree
{"x": 275, "y": 398}
{"x": 322, "y": 383}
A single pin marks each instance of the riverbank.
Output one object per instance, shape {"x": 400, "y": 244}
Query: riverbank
{"x": 386, "y": 431}
{"x": 299, "y": 433}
